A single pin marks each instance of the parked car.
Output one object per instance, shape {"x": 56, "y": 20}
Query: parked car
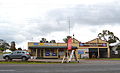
{"x": 19, "y": 54}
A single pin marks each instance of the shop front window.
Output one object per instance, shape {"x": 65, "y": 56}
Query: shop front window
{"x": 61, "y": 52}
{"x": 47, "y": 53}
{"x": 33, "y": 52}
{"x": 51, "y": 52}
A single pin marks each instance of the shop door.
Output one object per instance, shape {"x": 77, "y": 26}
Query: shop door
{"x": 41, "y": 52}
{"x": 93, "y": 52}
{"x": 103, "y": 52}
{"x": 38, "y": 55}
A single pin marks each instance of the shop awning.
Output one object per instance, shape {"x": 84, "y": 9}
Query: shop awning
{"x": 53, "y": 47}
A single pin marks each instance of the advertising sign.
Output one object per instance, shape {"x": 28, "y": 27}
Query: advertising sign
{"x": 84, "y": 55}
{"x": 54, "y": 54}
{"x": 47, "y": 54}
{"x": 69, "y": 43}
{"x": 82, "y": 51}
{"x": 44, "y": 44}
{"x": 36, "y": 44}
{"x": 93, "y": 45}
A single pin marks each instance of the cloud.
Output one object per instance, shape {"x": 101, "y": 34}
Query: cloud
{"x": 106, "y": 13}
{"x": 24, "y": 21}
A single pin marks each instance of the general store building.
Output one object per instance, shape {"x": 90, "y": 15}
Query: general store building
{"x": 96, "y": 47}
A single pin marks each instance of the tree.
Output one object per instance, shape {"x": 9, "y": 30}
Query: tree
{"x": 2, "y": 49}
{"x": 108, "y": 36}
{"x": 12, "y": 47}
{"x": 4, "y": 45}
{"x": 66, "y": 39}
{"x": 52, "y": 41}
{"x": 43, "y": 40}
{"x": 19, "y": 48}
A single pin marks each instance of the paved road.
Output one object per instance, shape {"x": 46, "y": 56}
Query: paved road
{"x": 60, "y": 68}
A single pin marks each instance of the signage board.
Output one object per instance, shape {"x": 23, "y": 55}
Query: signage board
{"x": 69, "y": 43}
{"x": 36, "y": 43}
{"x": 47, "y": 54}
{"x": 44, "y": 44}
{"x": 93, "y": 45}
{"x": 84, "y": 55}
{"x": 54, "y": 54}
{"x": 82, "y": 51}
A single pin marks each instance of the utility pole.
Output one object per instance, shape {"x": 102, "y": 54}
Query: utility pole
{"x": 69, "y": 24}
{"x": 68, "y": 57}
{"x": 68, "y": 38}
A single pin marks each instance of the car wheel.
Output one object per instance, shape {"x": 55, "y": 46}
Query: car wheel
{"x": 7, "y": 58}
{"x": 24, "y": 58}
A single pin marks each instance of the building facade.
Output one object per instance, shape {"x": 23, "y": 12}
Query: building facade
{"x": 96, "y": 48}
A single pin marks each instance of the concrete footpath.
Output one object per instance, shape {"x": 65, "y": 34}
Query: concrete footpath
{"x": 45, "y": 60}
{"x": 81, "y": 61}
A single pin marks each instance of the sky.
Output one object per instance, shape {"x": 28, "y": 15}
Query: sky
{"x": 25, "y": 21}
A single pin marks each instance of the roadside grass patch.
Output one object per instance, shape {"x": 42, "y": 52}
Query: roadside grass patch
{"x": 32, "y": 62}
{"x": 20, "y": 62}
{"x": 1, "y": 53}
{"x": 102, "y": 59}
{"x": 114, "y": 58}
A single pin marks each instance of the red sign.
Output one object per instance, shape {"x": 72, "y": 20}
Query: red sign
{"x": 69, "y": 43}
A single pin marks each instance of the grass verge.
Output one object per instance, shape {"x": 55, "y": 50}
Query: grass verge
{"x": 14, "y": 62}
{"x": 1, "y": 53}
{"x": 32, "y": 62}
{"x": 103, "y": 59}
